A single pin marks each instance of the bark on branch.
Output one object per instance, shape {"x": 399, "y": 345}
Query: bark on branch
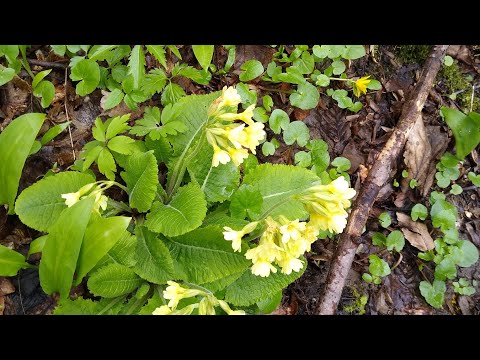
{"x": 378, "y": 175}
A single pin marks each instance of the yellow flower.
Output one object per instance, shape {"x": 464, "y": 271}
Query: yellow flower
{"x": 220, "y": 157}
{"x": 72, "y": 198}
{"x": 230, "y": 97}
{"x": 206, "y": 307}
{"x": 245, "y": 116}
{"x": 236, "y": 236}
{"x": 292, "y": 230}
{"x": 228, "y": 310}
{"x": 332, "y": 222}
{"x": 254, "y": 134}
{"x": 360, "y": 86}
{"x": 263, "y": 268}
{"x": 238, "y": 136}
{"x": 174, "y": 292}
{"x": 237, "y": 155}
{"x": 289, "y": 264}
{"x": 162, "y": 310}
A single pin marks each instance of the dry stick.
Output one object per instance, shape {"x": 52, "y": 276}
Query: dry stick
{"x": 66, "y": 114}
{"x": 377, "y": 177}
{"x": 47, "y": 64}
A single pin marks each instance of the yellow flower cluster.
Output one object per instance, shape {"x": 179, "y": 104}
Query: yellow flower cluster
{"x": 360, "y": 85}
{"x": 85, "y": 191}
{"x": 229, "y": 139}
{"x": 206, "y": 306}
{"x": 281, "y": 243}
{"x": 326, "y": 205}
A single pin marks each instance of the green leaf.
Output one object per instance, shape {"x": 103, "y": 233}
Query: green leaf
{"x": 442, "y": 181}
{"x": 342, "y": 164}
{"x": 296, "y": 131}
{"x": 306, "y": 96}
{"x": 153, "y": 260}
{"x": 278, "y": 185}
{"x": 203, "y": 256}
{"x": 395, "y": 240}
{"x": 250, "y": 289}
{"x": 278, "y": 120}
{"x": 419, "y": 211}
{"x": 247, "y": 96}
{"x": 322, "y": 80}
{"x": 305, "y": 63}
{"x": 113, "y": 99}
{"x": 217, "y": 183}
{"x": 456, "y": 189}
{"x": 475, "y": 179}
{"x": 320, "y": 156}
{"x": 303, "y": 159}
{"x": 353, "y": 52}
{"x": 161, "y": 148}
{"x": 16, "y": 140}
{"x": 203, "y": 54}
{"x": 202, "y": 77}
{"x": 374, "y": 85}
{"x": 100, "y": 237}
{"x": 62, "y": 248}
{"x": 448, "y": 60}
{"x": 136, "y": 65}
{"x": 40, "y": 205}
{"x": 154, "y": 81}
{"x": 11, "y": 262}
{"x": 6, "y": 74}
{"x": 443, "y": 214}
{"x": 53, "y": 132}
{"x": 59, "y": 49}
{"x": 465, "y": 128}
{"x": 446, "y": 269}
{"x": 292, "y": 76}
{"x": 141, "y": 177}
{"x": 82, "y": 306}
{"x": 385, "y": 219}
{"x": 183, "y": 214}
{"x": 123, "y": 252}
{"x": 37, "y": 245}
{"x": 121, "y": 144}
{"x": 338, "y": 67}
{"x": 150, "y": 124}
{"x": 268, "y": 305}
{"x": 246, "y": 201}
{"x": 378, "y": 239}
{"x": 267, "y": 102}
{"x": 88, "y": 73}
{"x": 378, "y": 267}
{"x": 433, "y": 294}
{"x": 172, "y": 94}
{"x": 115, "y": 126}
{"x": 39, "y": 77}
{"x": 260, "y": 114}
{"x": 469, "y": 253}
{"x": 251, "y": 70}
{"x": 106, "y": 164}
{"x": 100, "y": 52}
{"x": 268, "y": 148}
{"x": 113, "y": 280}
{"x": 159, "y": 53}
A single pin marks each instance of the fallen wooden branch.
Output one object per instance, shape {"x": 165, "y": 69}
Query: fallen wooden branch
{"x": 378, "y": 176}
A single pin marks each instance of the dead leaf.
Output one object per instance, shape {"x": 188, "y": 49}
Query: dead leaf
{"x": 417, "y": 155}
{"x": 416, "y": 233}
{"x": 438, "y": 140}
{"x": 2, "y": 304}
{"x": 460, "y": 52}
{"x": 6, "y": 286}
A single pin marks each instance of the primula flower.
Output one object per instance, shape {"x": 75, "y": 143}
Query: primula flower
{"x": 230, "y": 97}
{"x": 236, "y": 236}
{"x": 220, "y": 157}
{"x": 360, "y": 86}
{"x": 174, "y": 292}
{"x": 228, "y": 310}
{"x": 292, "y": 230}
{"x": 289, "y": 264}
{"x": 72, "y": 198}
{"x": 162, "y": 310}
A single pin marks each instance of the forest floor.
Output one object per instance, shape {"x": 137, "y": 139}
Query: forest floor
{"x": 358, "y": 137}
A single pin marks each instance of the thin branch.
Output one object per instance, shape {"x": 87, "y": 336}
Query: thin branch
{"x": 47, "y": 64}
{"x": 377, "y": 177}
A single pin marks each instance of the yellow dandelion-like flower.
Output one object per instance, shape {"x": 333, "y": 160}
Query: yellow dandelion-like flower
{"x": 360, "y": 86}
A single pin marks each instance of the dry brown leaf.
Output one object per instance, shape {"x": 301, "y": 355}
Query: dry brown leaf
{"x": 416, "y": 233}
{"x": 2, "y": 304}
{"x": 438, "y": 140}
{"x": 417, "y": 155}
{"x": 6, "y": 286}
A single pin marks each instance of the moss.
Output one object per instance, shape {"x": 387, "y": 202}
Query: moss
{"x": 454, "y": 81}
{"x": 358, "y": 305}
{"x": 410, "y": 54}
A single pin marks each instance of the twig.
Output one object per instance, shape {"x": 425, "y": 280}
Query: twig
{"x": 47, "y": 64}
{"x": 471, "y": 100}
{"x": 400, "y": 258}
{"x": 66, "y": 113}
{"x": 377, "y": 177}
{"x": 20, "y": 293}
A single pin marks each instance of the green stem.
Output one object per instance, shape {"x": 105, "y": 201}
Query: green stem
{"x": 339, "y": 79}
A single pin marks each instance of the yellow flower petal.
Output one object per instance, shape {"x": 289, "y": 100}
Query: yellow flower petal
{"x": 360, "y": 86}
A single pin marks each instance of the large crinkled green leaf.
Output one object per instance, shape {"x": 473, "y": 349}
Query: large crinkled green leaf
{"x": 123, "y": 252}
{"x": 153, "y": 260}
{"x": 183, "y": 214}
{"x": 40, "y": 205}
{"x": 277, "y": 184}
{"x": 191, "y": 111}
{"x": 16, "y": 140}
{"x": 82, "y": 306}
{"x": 62, "y": 247}
{"x": 11, "y": 261}
{"x": 204, "y": 256}
{"x": 100, "y": 236}
{"x": 141, "y": 177}
{"x": 465, "y": 128}
{"x": 218, "y": 183}
{"x": 113, "y": 280}
{"x": 249, "y": 289}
